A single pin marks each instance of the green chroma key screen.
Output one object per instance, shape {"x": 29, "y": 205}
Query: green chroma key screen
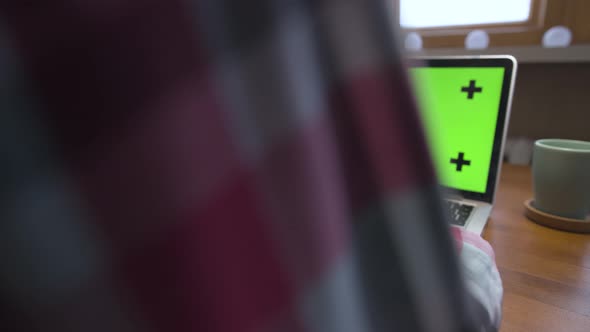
{"x": 459, "y": 108}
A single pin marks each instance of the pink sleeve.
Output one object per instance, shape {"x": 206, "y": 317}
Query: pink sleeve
{"x": 480, "y": 273}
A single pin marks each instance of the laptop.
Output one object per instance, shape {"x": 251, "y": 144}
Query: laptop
{"x": 465, "y": 104}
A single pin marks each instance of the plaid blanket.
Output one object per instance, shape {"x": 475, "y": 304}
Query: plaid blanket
{"x": 222, "y": 166}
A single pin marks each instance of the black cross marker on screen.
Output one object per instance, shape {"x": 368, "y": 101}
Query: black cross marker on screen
{"x": 460, "y": 161}
{"x": 471, "y": 89}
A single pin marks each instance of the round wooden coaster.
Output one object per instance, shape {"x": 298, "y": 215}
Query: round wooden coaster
{"x": 553, "y": 221}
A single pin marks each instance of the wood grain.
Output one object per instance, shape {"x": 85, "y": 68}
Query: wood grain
{"x": 546, "y": 272}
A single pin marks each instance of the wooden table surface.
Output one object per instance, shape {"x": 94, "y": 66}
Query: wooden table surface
{"x": 546, "y": 272}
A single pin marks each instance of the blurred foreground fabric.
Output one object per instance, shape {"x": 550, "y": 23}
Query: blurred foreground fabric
{"x": 217, "y": 166}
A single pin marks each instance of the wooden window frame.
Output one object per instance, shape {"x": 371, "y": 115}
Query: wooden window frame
{"x": 544, "y": 15}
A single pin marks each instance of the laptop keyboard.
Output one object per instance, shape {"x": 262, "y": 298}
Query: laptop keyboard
{"x": 459, "y": 212}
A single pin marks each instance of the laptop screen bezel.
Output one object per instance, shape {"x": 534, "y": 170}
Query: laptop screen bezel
{"x": 509, "y": 64}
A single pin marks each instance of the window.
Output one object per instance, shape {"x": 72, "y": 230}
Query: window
{"x": 446, "y": 23}
{"x": 415, "y": 14}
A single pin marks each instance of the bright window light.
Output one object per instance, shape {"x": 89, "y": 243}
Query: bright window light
{"x": 442, "y": 13}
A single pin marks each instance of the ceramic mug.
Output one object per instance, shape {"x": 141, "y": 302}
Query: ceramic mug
{"x": 561, "y": 177}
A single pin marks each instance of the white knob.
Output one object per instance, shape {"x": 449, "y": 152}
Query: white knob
{"x": 477, "y": 40}
{"x": 413, "y": 42}
{"x": 557, "y": 36}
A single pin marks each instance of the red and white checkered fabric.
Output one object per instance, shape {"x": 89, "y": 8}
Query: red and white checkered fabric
{"x": 220, "y": 166}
